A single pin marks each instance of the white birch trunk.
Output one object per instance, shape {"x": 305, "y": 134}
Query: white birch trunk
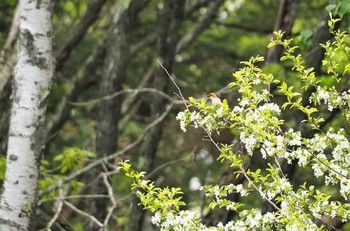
{"x": 32, "y": 79}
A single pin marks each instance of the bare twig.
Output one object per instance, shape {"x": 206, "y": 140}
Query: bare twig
{"x": 125, "y": 91}
{"x": 78, "y": 32}
{"x": 84, "y": 214}
{"x": 111, "y": 198}
{"x": 258, "y": 190}
{"x": 11, "y": 38}
{"x": 73, "y": 197}
{"x": 172, "y": 79}
{"x": 241, "y": 26}
{"x": 58, "y": 208}
{"x": 211, "y": 138}
{"x": 203, "y": 23}
{"x": 8, "y": 55}
{"x": 146, "y": 41}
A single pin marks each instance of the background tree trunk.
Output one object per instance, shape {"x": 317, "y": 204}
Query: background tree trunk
{"x": 109, "y": 113}
{"x": 33, "y": 76}
{"x": 170, "y": 21}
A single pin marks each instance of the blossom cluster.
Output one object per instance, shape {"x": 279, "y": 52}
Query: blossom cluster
{"x": 184, "y": 220}
{"x": 219, "y": 194}
{"x": 331, "y": 98}
{"x": 198, "y": 119}
{"x": 209, "y": 118}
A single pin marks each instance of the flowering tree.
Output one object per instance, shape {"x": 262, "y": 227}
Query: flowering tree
{"x": 257, "y": 118}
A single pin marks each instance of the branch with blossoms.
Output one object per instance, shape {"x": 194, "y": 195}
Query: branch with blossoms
{"x": 265, "y": 133}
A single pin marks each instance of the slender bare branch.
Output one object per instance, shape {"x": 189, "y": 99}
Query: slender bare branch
{"x": 78, "y": 32}
{"x": 72, "y": 197}
{"x": 10, "y": 40}
{"x": 172, "y": 79}
{"x": 58, "y": 207}
{"x": 82, "y": 213}
{"x": 125, "y": 91}
{"x": 111, "y": 198}
{"x": 200, "y": 26}
{"x": 258, "y": 190}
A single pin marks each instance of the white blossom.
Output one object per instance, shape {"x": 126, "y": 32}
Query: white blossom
{"x": 156, "y": 218}
{"x": 231, "y": 206}
{"x": 249, "y": 142}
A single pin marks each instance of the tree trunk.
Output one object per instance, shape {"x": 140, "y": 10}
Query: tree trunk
{"x": 170, "y": 21}
{"x": 32, "y": 79}
{"x": 110, "y": 111}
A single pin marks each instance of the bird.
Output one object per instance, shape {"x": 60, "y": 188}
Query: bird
{"x": 214, "y": 99}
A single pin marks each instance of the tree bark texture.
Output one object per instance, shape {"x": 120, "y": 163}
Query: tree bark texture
{"x": 109, "y": 112}
{"x": 62, "y": 54}
{"x": 170, "y": 21}
{"x": 78, "y": 32}
{"x": 32, "y": 80}
{"x": 88, "y": 74}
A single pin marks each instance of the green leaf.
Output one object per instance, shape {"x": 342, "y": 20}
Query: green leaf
{"x": 2, "y": 167}
{"x": 331, "y": 7}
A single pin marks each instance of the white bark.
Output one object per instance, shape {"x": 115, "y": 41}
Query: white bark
{"x": 32, "y": 79}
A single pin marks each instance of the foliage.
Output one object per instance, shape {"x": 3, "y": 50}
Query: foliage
{"x": 71, "y": 159}
{"x": 340, "y": 7}
{"x": 263, "y": 133}
{"x": 2, "y": 167}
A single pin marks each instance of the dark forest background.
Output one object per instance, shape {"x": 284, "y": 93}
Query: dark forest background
{"x": 109, "y": 88}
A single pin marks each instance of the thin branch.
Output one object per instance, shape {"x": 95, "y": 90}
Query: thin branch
{"x": 146, "y": 41}
{"x": 58, "y": 208}
{"x": 125, "y": 91}
{"x": 244, "y": 27}
{"x": 79, "y": 81}
{"x": 84, "y": 214}
{"x": 172, "y": 79}
{"x": 111, "y": 198}
{"x": 131, "y": 103}
{"x": 78, "y": 32}
{"x": 258, "y": 190}
{"x": 8, "y": 58}
{"x": 73, "y": 197}
{"x": 195, "y": 6}
{"x": 200, "y": 26}
{"x": 11, "y": 38}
